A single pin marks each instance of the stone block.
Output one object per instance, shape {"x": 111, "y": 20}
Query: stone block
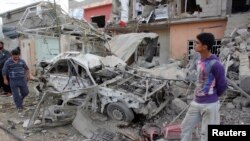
{"x": 224, "y": 52}
{"x": 243, "y": 33}
{"x": 248, "y": 47}
{"x": 225, "y": 41}
{"x": 230, "y": 105}
{"x": 234, "y": 33}
{"x": 178, "y": 105}
{"x": 231, "y": 44}
{"x": 237, "y": 101}
{"x": 248, "y": 41}
{"x": 238, "y": 39}
{"x": 236, "y": 55}
{"x": 243, "y": 46}
{"x": 244, "y": 75}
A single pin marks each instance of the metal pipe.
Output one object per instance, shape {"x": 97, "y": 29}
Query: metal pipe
{"x": 185, "y": 6}
{"x": 58, "y": 28}
{"x": 237, "y": 87}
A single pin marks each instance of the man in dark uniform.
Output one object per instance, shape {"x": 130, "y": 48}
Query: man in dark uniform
{"x": 4, "y": 55}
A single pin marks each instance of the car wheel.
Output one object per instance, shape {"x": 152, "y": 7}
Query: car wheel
{"x": 119, "y": 111}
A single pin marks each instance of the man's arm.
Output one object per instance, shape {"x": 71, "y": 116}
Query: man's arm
{"x": 4, "y": 73}
{"x": 28, "y": 75}
{"x": 27, "y": 70}
{"x": 220, "y": 80}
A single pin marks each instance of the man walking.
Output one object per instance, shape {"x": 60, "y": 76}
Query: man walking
{"x": 4, "y": 55}
{"x": 18, "y": 73}
{"x": 210, "y": 84}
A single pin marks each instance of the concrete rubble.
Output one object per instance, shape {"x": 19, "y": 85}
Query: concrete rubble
{"x": 108, "y": 100}
{"x": 235, "y": 56}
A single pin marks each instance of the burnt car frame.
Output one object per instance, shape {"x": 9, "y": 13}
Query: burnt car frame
{"x": 102, "y": 84}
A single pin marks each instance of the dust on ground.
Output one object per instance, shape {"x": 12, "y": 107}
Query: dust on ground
{"x": 11, "y": 121}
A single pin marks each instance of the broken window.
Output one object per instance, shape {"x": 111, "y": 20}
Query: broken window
{"x": 191, "y": 6}
{"x": 240, "y": 6}
{"x": 84, "y": 76}
{"x": 76, "y": 46}
{"x": 156, "y": 50}
{"x": 61, "y": 67}
{"x": 138, "y": 8}
{"x": 215, "y": 49}
{"x": 99, "y": 20}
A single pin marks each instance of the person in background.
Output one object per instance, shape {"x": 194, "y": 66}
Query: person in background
{"x": 4, "y": 55}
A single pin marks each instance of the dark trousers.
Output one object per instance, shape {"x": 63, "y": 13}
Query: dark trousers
{"x": 16, "y": 85}
{"x": 6, "y": 88}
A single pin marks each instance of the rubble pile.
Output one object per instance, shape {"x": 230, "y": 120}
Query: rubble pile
{"x": 235, "y": 56}
{"x": 236, "y": 49}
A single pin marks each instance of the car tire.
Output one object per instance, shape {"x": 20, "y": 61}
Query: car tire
{"x": 120, "y": 112}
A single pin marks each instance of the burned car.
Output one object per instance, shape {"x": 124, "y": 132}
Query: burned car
{"x": 102, "y": 84}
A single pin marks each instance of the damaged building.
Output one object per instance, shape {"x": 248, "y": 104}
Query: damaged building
{"x": 178, "y": 22}
{"x": 42, "y": 30}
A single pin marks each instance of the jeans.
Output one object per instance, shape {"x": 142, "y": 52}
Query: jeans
{"x": 207, "y": 113}
{"x": 16, "y": 85}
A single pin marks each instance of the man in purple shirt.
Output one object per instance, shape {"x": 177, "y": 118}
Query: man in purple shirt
{"x": 210, "y": 84}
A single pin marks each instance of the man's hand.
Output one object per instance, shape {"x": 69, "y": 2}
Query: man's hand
{"x": 6, "y": 82}
{"x": 28, "y": 77}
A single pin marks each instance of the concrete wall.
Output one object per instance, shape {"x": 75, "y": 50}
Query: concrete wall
{"x": 164, "y": 45}
{"x": 181, "y": 33}
{"x": 69, "y": 43}
{"x": 35, "y": 49}
{"x": 13, "y": 19}
{"x": 46, "y": 47}
{"x": 236, "y": 21}
{"x": 98, "y": 11}
{"x": 28, "y": 54}
{"x": 212, "y": 7}
{"x": 10, "y": 44}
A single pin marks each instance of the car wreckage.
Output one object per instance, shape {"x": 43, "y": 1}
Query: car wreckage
{"x": 101, "y": 84}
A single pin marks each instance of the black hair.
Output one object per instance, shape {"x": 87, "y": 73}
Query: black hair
{"x": 206, "y": 39}
{"x": 1, "y": 42}
{"x": 15, "y": 52}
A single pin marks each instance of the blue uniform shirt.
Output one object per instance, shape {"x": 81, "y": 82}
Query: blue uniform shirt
{"x": 15, "y": 70}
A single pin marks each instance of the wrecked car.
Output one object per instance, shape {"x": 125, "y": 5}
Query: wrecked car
{"x": 102, "y": 84}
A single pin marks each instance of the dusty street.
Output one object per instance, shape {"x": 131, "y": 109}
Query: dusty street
{"x": 12, "y": 121}
{"x": 231, "y": 113}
